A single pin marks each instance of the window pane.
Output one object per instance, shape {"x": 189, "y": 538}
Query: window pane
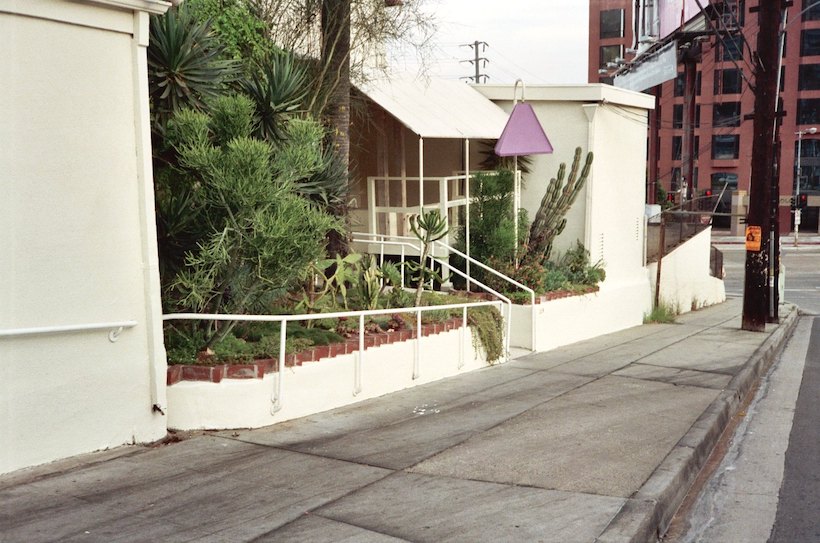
{"x": 677, "y": 116}
{"x": 728, "y": 81}
{"x": 612, "y": 23}
{"x": 813, "y": 12}
{"x": 809, "y": 78}
{"x": 732, "y": 48}
{"x": 810, "y": 42}
{"x": 725, "y": 146}
{"x": 727, "y": 114}
{"x": 677, "y": 145}
{"x": 808, "y": 111}
{"x": 809, "y": 164}
{"x": 609, "y": 53}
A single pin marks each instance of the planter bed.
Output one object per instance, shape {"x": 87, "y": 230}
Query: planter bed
{"x": 317, "y": 379}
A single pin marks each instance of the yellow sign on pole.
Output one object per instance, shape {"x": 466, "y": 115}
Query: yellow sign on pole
{"x": 753, "y": 236}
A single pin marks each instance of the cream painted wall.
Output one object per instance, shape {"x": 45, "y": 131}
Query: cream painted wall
{"x": 79, "y": 243}
{"x": 319, "y": 386}
{"x": 686, "y": 282}
{"x": 608, "y": 214}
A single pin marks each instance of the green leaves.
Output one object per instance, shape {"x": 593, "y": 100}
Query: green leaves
{"x": 277, "y": 87}
{"x": 185, "y": 67}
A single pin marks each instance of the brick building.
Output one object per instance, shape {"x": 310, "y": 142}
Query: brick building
{"x": 724, "y": 101}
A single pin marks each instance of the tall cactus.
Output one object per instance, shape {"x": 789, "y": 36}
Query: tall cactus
{"x": 550, "y": 219}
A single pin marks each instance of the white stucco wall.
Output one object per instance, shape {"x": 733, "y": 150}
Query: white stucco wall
{"x": 79, "y": 242}
{"x": 319, "y": 386}
{"x": 686, "y": 282}
{"x": 607, "y": 216}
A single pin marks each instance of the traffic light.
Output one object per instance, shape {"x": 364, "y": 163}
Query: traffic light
{"x": 707, "y": 192}
{"x": 792, "y": 203}
{"x": 804, "y": 201}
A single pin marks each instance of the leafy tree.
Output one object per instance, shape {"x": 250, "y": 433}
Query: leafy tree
{"x": 259, "y": 234}
{"x": 242, "y": 32}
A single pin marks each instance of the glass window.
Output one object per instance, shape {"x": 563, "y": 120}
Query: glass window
{"x": 679, "y": 82}
{"x": 677, "y": 146}
{"x": 731, "y": 48}
{"x": 809, "y": 164}
{"x": 612, "y": 23}
{"x": 726, "y": 114}
{"x": 809, "y": 77}
{"x": 812, "y": 13}
{"x": 808, "y": 111}
{"x": 782, "y": 77}
{"x": 728, "y": 81}
{"x": 725, "y": 147}
{"x": 609, "y": 53}
{"x": 696, "y": 150}
{"x": 677, "y": 116}
{"x": 676, "y": 178}
{"x": 810, "y": 42}
{"x": 697, "y": 116}
{"x": 608, "y": 80}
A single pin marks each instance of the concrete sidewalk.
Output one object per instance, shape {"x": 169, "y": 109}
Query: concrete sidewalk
{"x": 597, "y": 441}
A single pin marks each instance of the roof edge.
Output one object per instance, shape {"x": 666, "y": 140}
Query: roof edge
{"x": 154, "y": 7}
{"x": 590, "y": 92}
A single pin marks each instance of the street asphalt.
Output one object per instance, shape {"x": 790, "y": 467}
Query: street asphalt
{"x": 594, "y": 442}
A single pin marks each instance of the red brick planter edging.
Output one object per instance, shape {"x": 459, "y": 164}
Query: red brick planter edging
{"x": 258, "y": 368}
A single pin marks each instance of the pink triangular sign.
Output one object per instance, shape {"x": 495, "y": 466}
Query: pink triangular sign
{"x": 523, "y": 134}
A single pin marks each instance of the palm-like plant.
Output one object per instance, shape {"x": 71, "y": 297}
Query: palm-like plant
{"x": 277, "y": 87}
{"x": 185, "y": 64}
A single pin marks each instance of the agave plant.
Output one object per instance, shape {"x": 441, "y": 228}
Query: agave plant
{"x": 277, "y": 87}
{"x": 185, "y": 64}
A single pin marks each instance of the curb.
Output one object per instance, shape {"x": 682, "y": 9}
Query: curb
{"x": 646, "y": 515}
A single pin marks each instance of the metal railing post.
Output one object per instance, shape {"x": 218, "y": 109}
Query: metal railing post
{"x": 417, "y": 354}
{"x": 462, "y": 350}
{"x": 277, "y": 399}
{"x": 357, "y": 365}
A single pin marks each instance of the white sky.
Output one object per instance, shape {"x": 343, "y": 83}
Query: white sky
{"x": 539, "y": 41}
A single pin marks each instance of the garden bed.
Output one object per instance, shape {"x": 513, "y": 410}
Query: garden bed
{"x": 243, "y": 395}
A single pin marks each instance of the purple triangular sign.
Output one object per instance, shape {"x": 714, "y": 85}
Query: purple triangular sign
{"x": 523, "y": 134}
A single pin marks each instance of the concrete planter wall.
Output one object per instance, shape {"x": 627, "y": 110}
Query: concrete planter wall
{"x": 568, "y": 320}
{"x": 244, "y": 399}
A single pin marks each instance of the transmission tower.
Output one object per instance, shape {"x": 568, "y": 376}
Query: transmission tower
{"x": 478, "y": 61}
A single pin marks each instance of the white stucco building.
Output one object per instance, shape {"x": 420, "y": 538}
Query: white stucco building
{"x": 82, "y": 364}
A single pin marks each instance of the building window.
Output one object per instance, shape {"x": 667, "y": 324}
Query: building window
{"x": 725, "y": 147}
{"x": 812, "y": 13}
{"x": 724, "y": 179}
{"x": 809, "y": 77}
{"x": 728, "y": 81}
{"x": 808, "y": 111}
{"x": 726, "y": 114}
{"x": 677, "y": 146}
{"x": 731, "y": 48}
{"x": 680, "y": 81}
{"x": 610, "y": 52}
{"x": 677, "y": 116}
{"x": 810, "y": 42}
{"x": 782, "y": 78}
{"x": 676, "y": 179}
{"x": 696, "y": 151}
{"x": 608, "y": 80}
{"x": 612, "y": 23}
{"x": 809, "y": 164}
{"x": 697, "y": 116}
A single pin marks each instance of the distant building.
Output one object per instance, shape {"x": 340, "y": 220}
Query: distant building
{"x": 724, "y": 102}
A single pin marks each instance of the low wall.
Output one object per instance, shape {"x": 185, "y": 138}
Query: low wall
{"x": 568, "y": 320}
{"x": 686, "y": 281}
{"x": 319, "y": 386}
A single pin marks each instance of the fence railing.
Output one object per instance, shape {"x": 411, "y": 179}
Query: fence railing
{"x": 277, "y": 393}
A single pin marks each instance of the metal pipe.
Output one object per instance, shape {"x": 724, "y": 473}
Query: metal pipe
{"x": 417, "y": 354}
{"x": 116, "y": 327}
{"x": 462, "y": 348}
{"x": 357, "y": 365}
{"x": 277, "y": 398}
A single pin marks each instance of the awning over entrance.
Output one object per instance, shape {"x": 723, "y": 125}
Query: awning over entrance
{"x": 437, "y": 108}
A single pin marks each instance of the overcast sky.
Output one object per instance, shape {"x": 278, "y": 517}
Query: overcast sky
{"x": 539, "y": 41}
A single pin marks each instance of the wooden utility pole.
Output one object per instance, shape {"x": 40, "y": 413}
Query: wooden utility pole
{"x": 758, "y": 221}
{"x": 690, "y": 57}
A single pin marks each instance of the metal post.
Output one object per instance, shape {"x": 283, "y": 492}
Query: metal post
{"x": 661, "y": 249}
{"x": 417, "y": 357}
{"x": 357, "y": 365}
{"x": 421, "y": 175}
{"x": 277, "y": 398}
{"x": 467, "y": 213}
{"x": 462, "y": 338}
{"x": 798, "y": 212}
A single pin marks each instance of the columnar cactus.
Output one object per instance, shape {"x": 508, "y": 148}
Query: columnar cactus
{"x": 550, "y": 219}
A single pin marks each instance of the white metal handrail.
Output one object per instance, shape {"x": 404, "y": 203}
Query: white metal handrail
{"x": 276, "y": 396}
{"x": 115, "y": 328}
{"x": 412, "y": 242}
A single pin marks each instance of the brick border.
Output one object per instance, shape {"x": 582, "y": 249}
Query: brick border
{"x": 258, "y": 368}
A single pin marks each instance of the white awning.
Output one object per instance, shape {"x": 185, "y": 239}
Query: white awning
{"x": 437, "y": 108}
